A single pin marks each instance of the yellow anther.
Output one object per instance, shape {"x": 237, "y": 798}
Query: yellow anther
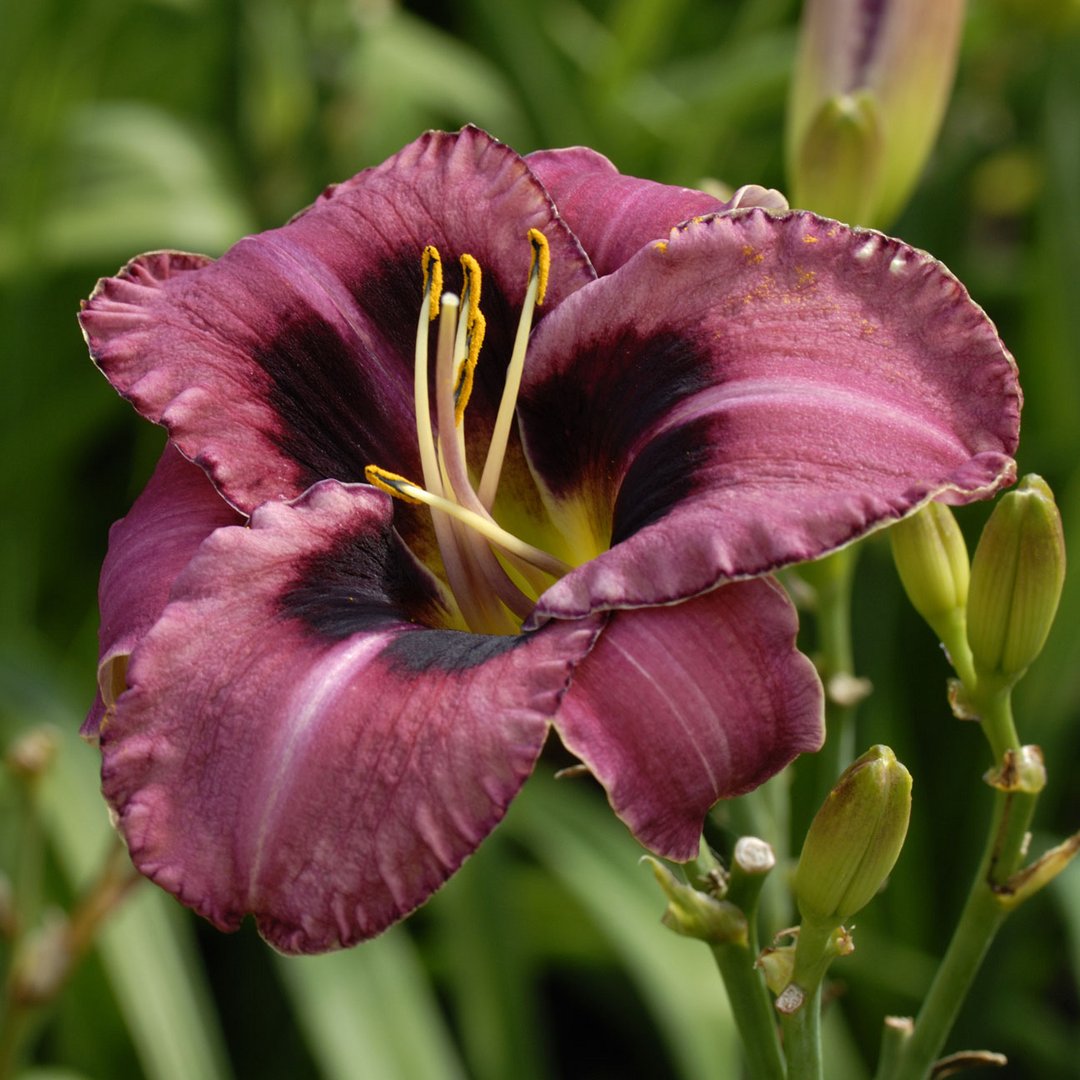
{"x": 463, "y": 386}
{"x": 431, "y": 266}
{"x": 391, "y": 483}
{"x": 540, "y": 264}
{"x": 470, "y": 288}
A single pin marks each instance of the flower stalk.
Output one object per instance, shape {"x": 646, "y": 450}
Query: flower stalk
{"x": 720, "y": 907}
{"x": 985, "y": 910}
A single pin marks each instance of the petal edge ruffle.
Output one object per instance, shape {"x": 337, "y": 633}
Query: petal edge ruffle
{"x": 265, "y": 762}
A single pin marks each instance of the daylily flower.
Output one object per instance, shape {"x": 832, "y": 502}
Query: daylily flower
{"x": 318, "y": 695}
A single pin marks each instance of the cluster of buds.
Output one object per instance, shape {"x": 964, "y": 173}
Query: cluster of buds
{"x": 993, "y": 615}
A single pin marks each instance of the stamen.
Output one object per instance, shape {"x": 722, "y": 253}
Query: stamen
{"x": 540, "y": 264}
{"x": 470, "y": 336}
{"x": 431, "y": 268}
{"x": 400, "y": 487}
{"x": 500, "y": 435}
{"x": 458, "y": 574}
{"x": 391, "y": 483}
{"x": 474, "y": 338}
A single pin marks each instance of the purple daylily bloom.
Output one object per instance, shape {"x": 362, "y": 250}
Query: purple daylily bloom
{"x": 316, "y": 700}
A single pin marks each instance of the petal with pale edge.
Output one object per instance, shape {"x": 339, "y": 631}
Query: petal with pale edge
{"x": 680, "y": 706}
{"x": 754, "y": 392}
{"x": 176, "y": 511}
{"x": 613, "y": 215}
{"x": 293, "y": 747}
{"x": 290, "y": 359}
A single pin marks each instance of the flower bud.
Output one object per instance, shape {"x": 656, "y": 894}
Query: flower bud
{"x": 838, "y": 168}
{"x": 1016, "y": 580}
{"x": 855, "y": 839}
{"x": 871, "y": 85}
{"x": 31, "y": 755}
{"x": 932, "y": 560}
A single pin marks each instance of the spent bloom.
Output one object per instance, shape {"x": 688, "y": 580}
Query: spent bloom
{"x": 596, "y": 413}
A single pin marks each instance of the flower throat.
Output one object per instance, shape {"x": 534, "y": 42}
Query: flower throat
{"x": 493, "y": 592}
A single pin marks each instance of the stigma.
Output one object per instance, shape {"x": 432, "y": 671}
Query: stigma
{"x": 493, "y": 575}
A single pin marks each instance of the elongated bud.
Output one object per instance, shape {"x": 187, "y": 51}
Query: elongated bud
{"x": 1016, "y": 580}
{"x": 871, "y": 85}
{"x": 932, "y": 560}
{"x": 854, "y": 840}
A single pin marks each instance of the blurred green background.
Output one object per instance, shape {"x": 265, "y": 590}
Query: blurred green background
{"x": 130, "y": 125}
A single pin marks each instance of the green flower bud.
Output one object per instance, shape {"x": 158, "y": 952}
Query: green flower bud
{"x": 1016, "y": 580}
{"x": 854, "y": 840}
{"x": 840, "y": 157}
{"x": 869, "y": 89}
{"x": 932, "y": 559}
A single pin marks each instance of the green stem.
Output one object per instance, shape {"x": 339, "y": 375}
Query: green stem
{"x": 987, "y": 905}
{"x": 14, "y": 1024}
{"x": 802, "y": 1039}
{"x": 744, "y": 983}
{"x": 994, "y": 709}
{"x": 832, "y": 579}
{"x": 26, "y": 993}
{"x": 752, "y": 1010}
{"x": 801, "y": 1019}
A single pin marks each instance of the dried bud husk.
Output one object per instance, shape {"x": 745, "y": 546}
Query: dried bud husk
{"x": 1016, "y": 580}
{"x": 854, "y": 840}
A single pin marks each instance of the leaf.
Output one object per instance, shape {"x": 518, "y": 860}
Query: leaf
{"x": 582, "y": 843}
{"x": 146, "y": 947}
{"x": 369, "y": 1012}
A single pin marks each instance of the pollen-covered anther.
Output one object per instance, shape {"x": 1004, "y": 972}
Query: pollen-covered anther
{"x": 431, "y": 267}
{"x": 540, "y": 266}
{"x": 539, "y": 270}
{"x": 470, "y": 335}
{"x": 393, "y": 484}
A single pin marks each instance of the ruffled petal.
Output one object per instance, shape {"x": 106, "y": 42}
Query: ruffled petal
{"x": 294, "y": 746}
{"x": 755, "y": 392}
{"x": 290, "y": 359}
{"x": 148, "y": 548}
{"x": 680, "y": 706}
{"x": 613, "y": 215}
